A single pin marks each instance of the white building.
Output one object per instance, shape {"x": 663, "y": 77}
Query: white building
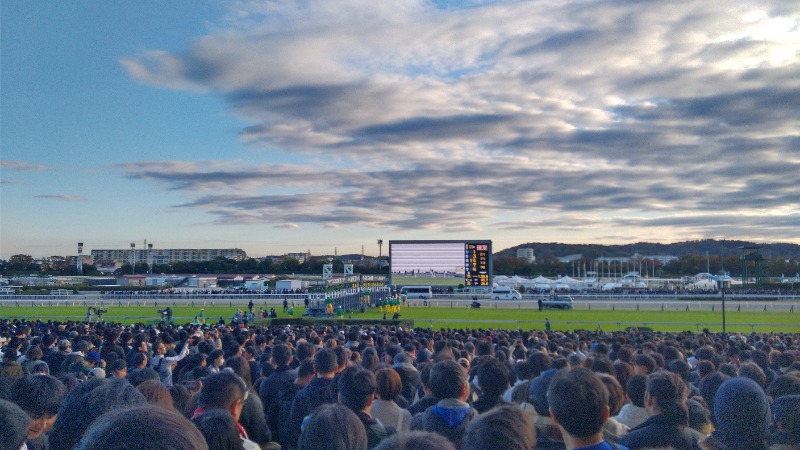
{"x": 168, "y": 255}
{"x": 527, "y": 254}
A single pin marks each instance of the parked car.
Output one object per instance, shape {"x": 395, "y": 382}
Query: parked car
{"x": 557, "y": 301}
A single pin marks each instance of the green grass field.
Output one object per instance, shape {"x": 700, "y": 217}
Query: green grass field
{"x": 462, "y": 317}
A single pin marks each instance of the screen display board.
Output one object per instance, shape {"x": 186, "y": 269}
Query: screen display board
{"x": 441, "y": 263}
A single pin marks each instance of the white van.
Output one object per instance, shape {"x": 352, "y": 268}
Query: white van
{"x": 504, "y": 293}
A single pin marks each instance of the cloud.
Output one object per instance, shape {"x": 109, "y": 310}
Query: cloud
{"x": 65, "y": 198}
{"x": 22, "y": 166}
{"x": 501, "y": 115}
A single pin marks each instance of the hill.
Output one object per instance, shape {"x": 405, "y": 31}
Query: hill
{"x": 700, "y": 247}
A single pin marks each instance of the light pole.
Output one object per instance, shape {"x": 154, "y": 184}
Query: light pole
{"x": 380, "y": 253}
{"x": 133, "y": 258}
{"x": 722, "y": 291}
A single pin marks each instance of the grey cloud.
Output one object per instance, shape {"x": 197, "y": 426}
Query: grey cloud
{"x": 434, "y": 128}
{"x": 61, "y": 197}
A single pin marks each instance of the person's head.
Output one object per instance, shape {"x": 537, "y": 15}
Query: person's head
{"x": 40, "y": 396}
{"x": 539, "y": 362}
{"x": 741, "y": 413}
{"x": 281, "y": 355}
{"x": 786, "y": 411}
{"x": 389, "y": 383}
{"x": 138, "y": 376}
{"x": 325, "y": 362}
{"x": 356, "y": 388}
{"x": 709, "y": 386}
{"x": 635, "y": 389}
{"x": 219, "y": 429}
{"x": 87, "y": 402}
{"x": 333, "y": 427}
{"x": 754, "y": 372}
{"x": 705, "y": 367}
{"x": 15, "y": 422}
{"x": 142, "y": 428}
{"x": 616, "y": 395}
{"x": 506, "y": 427}
{"x": 578, "y": 402}
{"x": 118, "y": 368}
{"x": 216, "y": 358}
{"x": 224, "y": 390}
{"x": 140, "y": 360}
{"x": 644, "y": 364}
{"x": 449, "y": 380}
{"x": 786, "y": 384}
{"x": 493, "y": 377}
{"x": 156, "y": 393}
{"x": 241, "y": 367}
{"x": 666, "y": 394}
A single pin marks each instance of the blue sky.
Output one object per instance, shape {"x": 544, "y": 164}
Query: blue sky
{"x": 291, "y": 126}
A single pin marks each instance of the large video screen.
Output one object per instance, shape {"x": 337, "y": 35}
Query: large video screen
{"x": 441, "y": 263}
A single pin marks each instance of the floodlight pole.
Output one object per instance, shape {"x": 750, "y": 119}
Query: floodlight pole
{"x": 723, "y": 308}
{"x": 722, "y": 291}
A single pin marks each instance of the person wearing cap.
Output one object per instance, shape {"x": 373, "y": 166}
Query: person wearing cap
{"x": 85, "y": 366}
{"x": 741, "y": 417}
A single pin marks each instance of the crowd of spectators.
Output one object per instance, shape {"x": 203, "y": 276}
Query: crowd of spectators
{"x": 107, "y": 386}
